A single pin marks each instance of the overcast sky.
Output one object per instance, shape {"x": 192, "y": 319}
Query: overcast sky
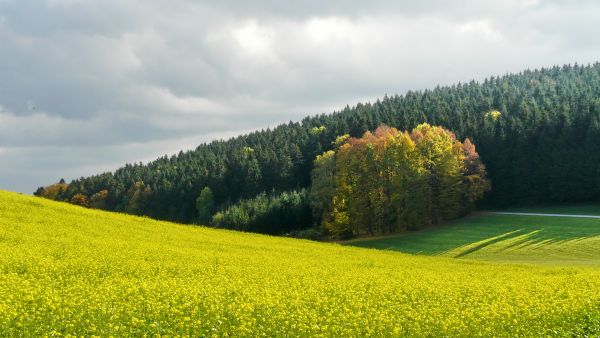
{"x": 87, "y": 86}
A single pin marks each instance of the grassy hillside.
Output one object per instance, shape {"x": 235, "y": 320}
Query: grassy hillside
{"x": 513, "y": 238}
{"x": 68, "y": 270}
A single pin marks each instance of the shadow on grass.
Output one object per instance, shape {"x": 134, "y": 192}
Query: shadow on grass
{"x": 480, "y": 231}
{"x": 497, "y": 239}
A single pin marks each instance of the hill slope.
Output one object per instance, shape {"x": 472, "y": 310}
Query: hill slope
{"x": 70, "y": 270}
{"x": 509, "y": 238}
{"x": 527, "y": 127}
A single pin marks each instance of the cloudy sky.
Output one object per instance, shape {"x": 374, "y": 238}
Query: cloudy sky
{"x": 88, "y": 85}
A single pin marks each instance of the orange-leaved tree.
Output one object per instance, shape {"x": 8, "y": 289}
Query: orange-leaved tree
{"x": 390, "y": 180}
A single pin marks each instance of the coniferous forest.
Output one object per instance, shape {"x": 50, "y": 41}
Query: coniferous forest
{"x": 537, "y": 132}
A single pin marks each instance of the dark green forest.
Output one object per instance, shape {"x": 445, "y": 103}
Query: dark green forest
{"x": 268, "y": 213}
{"x": 537, "y": 132}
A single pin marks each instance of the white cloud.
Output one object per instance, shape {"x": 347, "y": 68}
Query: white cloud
{"x": 253, "y": 38}
{"x": 165, "y": 99}
{"x": 482, "y": 28}
{"x": 335, "y": 29}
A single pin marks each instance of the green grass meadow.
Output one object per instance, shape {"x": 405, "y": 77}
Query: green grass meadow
{"x": 506, "y": 238}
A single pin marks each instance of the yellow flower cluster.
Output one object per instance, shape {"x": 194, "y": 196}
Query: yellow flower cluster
{"x": 70, "y": 271}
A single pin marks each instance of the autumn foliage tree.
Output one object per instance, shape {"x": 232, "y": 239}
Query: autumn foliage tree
{"x": 54, "y": 191}
{"x": 80, "y": 199}
{"x": 98, "y": 200}
{"x": 391, "y": 180}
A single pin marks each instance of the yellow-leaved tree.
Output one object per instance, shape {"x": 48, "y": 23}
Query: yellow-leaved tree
{"x": 390, "y": 180}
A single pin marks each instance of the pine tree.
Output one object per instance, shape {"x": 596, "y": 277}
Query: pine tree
{"x": 205, "y": 205}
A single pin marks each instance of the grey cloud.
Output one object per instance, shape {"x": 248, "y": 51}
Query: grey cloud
{"x": 84, "y": 81}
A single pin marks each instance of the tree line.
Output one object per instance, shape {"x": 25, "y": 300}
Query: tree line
{"x": 536, "y": 131}
{"x": 380, "y": 183}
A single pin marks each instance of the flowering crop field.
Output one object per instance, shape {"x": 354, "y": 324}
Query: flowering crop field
{"x": 66, "y": 270}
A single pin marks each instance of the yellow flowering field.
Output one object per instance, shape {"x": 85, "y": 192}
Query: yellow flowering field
{"x": 70, "y": 271}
